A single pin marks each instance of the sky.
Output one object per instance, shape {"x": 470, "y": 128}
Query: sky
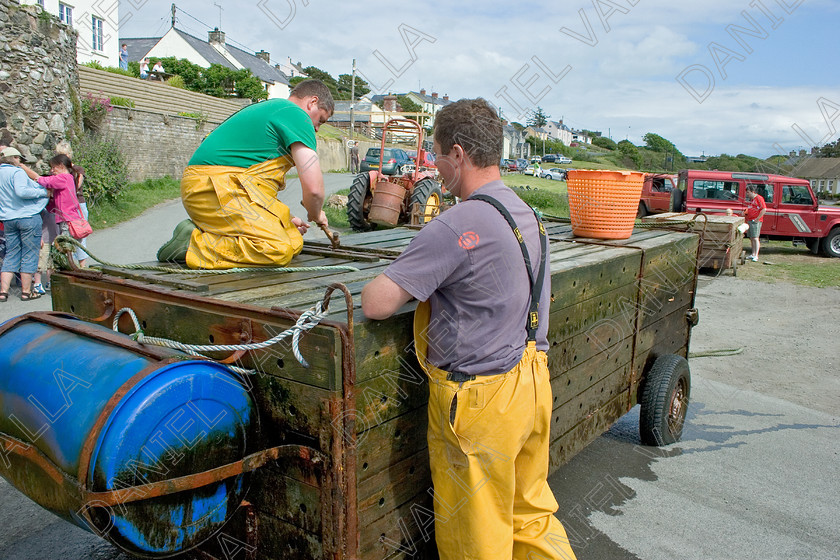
{"x": 757, "y": 77}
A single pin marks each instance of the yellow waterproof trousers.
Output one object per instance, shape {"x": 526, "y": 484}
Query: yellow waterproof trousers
{"x": 240, "y": 221}
{"x": 488, "y": 447}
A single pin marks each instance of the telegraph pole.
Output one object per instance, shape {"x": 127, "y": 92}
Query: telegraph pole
{"x": 352, "y": 97}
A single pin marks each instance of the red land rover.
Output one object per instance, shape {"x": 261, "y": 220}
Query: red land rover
{"x": 793, "y": 212}
{"x": 656, "y": 194}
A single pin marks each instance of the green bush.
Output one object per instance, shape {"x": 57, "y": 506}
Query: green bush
{"x": 106, "y": 169}
{"x": 176, "y": 81}
{"x": 94, "y": 111}
{"x": 122, "y": 102}
{"x": 111, "y": 69}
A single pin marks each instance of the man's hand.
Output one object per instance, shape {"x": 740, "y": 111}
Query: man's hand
{"x": 300, "y": 225}
{"x": 321, "y": 220}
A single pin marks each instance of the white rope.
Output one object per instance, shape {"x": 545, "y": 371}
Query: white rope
{"x": 307, "y": 321}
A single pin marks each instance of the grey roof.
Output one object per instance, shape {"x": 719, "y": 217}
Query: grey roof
{"x": 818, "y": 168}
{"x": 139, "y": 47}
{"x": 343, "y": 107}
{"x": 430, "y": 99}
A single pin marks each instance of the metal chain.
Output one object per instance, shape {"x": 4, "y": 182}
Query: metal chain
{"x": 64, "y": 239}
{"x": 307, "y": 321}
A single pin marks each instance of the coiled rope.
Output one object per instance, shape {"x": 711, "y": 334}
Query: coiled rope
{"x": 307, "y": 321}
{"x": 63, "y": 243}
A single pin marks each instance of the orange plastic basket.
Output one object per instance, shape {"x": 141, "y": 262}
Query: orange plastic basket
{"x": 603, "y": 204}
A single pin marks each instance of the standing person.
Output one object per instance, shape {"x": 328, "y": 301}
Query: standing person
{"x": 124, "y": 57}
{"x": 63, "y": 204}
{"x": 230, "y": 186}
{"x": 21, "y": 201}
{"x": 754, "y": 214}
{"x": 144, "y": 68}
{"x": 354, "y": 158}
{"x": 480, "y": 333}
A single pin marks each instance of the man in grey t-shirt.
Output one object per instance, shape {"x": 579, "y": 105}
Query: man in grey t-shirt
{"x": 489, "y": 394}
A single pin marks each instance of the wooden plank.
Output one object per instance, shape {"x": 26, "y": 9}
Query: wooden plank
{"x": 390, "y": 442}
{"x": 571, "y": 320}
{"x": 590, "y": 428}
{"x": 588, "y": 403}
{"x": 571, "y": 382}
{"x": 407, "y": 532}
{"x": 388, "y": 489}
{"x": 286, "y": 498}
{"x": 279, "y": 540}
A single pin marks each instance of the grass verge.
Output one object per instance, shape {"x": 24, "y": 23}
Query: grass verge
{"x": 133, "y": 201}
{"x": 780, "y": 261}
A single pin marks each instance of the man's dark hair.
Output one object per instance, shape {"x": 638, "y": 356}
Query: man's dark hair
{"x": 750, "y": 188}
{"x": 475, "y": 126}
{"x": 308, "y": 88}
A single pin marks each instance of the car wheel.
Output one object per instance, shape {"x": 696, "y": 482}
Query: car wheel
{"x": 664, "y": 401}
{"x": 427, "y": 194}
{"x": 831, "y": 243}
{"x": 642, "y": 211}
{"x": 358, "y": 203}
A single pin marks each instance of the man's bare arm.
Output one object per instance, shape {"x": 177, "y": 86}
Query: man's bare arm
{"x": 382, "y": 297}
{"x": 311, "y": 182}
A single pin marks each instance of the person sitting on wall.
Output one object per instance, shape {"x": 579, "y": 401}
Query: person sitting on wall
{"x": 230, "y": 186}
{"x": 159, "y": 71}
{"x": 144, "y": 68}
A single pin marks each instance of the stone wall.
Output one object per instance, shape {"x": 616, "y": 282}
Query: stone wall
{"x": 38, "y": 80}
{"x": 154, "y": 144}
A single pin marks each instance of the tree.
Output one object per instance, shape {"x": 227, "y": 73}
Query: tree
{"x": 329, "y": 81}
{"x": 344, "y": 86}
{"x": 538, "y": 118}
{"x": 832, "y": 149}
{"x": 218, "y": 80}
{"x": 604, "y": 142}
{"x": 656, "y": 143}
{"x": 409, "y": 106}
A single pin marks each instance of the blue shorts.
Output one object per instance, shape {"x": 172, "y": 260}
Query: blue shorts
{"x": 23, "y": 243}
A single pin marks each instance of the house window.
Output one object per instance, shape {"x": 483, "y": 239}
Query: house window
{"x": 41, "y": 3}
{"x": 65, "y": 13}
{"x": 97, "y": 43}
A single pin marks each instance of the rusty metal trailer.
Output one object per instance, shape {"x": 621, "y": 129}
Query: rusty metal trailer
{"x": 353, "y": 479}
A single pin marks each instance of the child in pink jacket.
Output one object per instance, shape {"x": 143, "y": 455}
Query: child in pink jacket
{"x": 63, "y": 203}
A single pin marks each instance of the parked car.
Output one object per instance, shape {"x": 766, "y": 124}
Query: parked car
{"x": 521, "y": 164}
{"x": 793, "y": 211}
{"x": 563, "y": 159}
{"x": 554, "y": 174}
{"x": 392, "y": 162}
{"x": 656, "y": 194}
{"x": 536, "y": 159}
{"x": 511, "y": 165}
{"x": 549, "y": 158}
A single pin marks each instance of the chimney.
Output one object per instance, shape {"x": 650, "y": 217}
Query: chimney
{"x": 389, "y": 103}
{"x": 801, "y": 153}
{"x": 446, "y": 98}
{"x": 263, "y": 55}
{"x": 434, "y": 95}
{"x": 422, "y": 92}
{"x": 216, "y": 36}
{"x": 792, "y": 153}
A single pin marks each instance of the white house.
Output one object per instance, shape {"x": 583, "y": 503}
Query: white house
{"x": 431, "y": 104}
{"x": 95, "y": 21}
{"x": 215, "y": 50}
{"x": 559, "y": 131}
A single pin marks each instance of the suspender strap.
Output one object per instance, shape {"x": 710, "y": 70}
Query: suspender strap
{"x": 536, "y": 283}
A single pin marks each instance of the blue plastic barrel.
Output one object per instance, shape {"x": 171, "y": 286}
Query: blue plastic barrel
{"x": 79, "y": 414}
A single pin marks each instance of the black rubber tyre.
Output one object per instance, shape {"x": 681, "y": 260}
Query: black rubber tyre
{"x": 642, "y": 211}
{"x": 831, "y": 243}
{"x": 358, "y": 203}
{"x": 677, "y": 200}
{"x": 664, "y": 400}
{"x": 426, "y": 192}
{"x": 813, "y": 244}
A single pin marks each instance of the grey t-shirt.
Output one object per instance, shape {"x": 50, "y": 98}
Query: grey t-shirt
{"x": 468, "y": 264}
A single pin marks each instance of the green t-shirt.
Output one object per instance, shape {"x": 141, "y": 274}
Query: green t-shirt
{"x": 255, "y": 134}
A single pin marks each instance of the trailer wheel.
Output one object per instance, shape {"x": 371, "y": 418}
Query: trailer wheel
{"x": 665, "y": 400}
{"x": 831, "y": 243}
{"x": 358, "y": 203}
{"x": 427, "y": 194}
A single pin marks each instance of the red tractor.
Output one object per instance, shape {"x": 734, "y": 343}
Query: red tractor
{"x": 408, "y": 196}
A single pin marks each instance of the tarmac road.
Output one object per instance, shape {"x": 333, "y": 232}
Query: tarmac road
{"x": 755, "y": 475}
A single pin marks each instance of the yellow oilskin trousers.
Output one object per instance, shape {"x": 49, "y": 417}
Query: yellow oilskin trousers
{"x": 240, "y": 221}
{"x": 488, "y": 447}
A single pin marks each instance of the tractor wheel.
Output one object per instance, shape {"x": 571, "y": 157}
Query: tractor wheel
{"x": 426, "y": 193}
{"x": 358, "y": 203}
{"x": 664, "y": 400}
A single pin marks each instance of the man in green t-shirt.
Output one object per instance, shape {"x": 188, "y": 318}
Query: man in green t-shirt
{"x": 230, "y": 185}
